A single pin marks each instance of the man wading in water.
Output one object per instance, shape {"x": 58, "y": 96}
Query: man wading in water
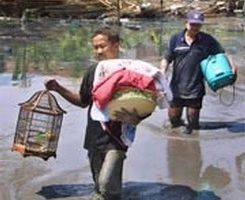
{"x": 186, "y": 50}
{"x": 106, "y": 155}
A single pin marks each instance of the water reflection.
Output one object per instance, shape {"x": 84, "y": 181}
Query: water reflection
{"x": 65, "y": 45}
{"x": 240, "y": 165}
{"x": 6, "y": 79}
{"x": 213, "y": 159}
{"x": 215, "y": 178}
{"x": 184, "y": 162}
{"x": 208, "y": 164}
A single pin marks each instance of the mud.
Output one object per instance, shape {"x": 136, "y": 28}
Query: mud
{"x": 162, "y": 164}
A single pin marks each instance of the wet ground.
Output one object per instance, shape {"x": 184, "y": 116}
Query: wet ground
{"x": 162, "y": 164}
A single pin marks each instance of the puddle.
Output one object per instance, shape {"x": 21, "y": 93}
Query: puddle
{"x": 162, "y": 163}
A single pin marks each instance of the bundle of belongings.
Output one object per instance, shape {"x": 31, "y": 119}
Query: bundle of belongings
{"x": 129, "y": 84}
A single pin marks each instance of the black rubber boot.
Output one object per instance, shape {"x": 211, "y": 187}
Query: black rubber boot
{"x": 176, "y": 122}
{"x": 187, "y": 130}
{"x": 193, "y": 124}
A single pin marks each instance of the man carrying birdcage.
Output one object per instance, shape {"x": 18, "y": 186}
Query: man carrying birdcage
{"x": 106, "y": 151}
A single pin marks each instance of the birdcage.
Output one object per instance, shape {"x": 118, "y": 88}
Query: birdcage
{"x": 38, "y": 126}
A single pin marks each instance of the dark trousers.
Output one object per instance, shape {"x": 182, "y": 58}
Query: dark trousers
{"x": 107, "y": 168}
{"x": 193, "y": 108}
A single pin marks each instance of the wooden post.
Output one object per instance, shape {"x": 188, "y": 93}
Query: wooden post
{"x": 230, "y": 7}
{"x": 243, "y": 9}
{"x": 161, "y": 30}
{"x": 118, "y": 12}
{"x": 1, "y": 62}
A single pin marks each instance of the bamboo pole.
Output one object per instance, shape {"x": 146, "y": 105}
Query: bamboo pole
{"x": 106, "y": 3}
{"x": 243, "y": 9}
{"x": 118, "y": 12}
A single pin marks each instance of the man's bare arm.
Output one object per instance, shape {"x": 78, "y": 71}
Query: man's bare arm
{"x": 72, "y": 97}
{"x": 164, "y": 65}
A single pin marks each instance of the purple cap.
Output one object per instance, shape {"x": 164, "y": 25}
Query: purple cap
{"x": 195, "y": 17}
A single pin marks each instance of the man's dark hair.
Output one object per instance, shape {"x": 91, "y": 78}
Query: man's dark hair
{"x": 112, "y": 35}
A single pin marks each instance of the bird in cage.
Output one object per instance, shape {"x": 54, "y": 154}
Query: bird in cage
{"x": 38, "y": 126}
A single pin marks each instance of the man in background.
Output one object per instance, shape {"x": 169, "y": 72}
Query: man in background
{"x": 185, "y": 52}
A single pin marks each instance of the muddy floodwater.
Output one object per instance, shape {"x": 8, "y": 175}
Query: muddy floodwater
{"x": 162, "y": 164}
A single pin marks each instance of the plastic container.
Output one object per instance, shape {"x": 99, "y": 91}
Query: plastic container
{"x": 217, "y": 71}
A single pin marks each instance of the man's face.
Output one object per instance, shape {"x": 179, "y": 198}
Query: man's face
{"x": 193, "y": 28}
{"x": 104, "y": 49}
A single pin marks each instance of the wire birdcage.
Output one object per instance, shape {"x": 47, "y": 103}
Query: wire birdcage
{"x": 38, "y": 126}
